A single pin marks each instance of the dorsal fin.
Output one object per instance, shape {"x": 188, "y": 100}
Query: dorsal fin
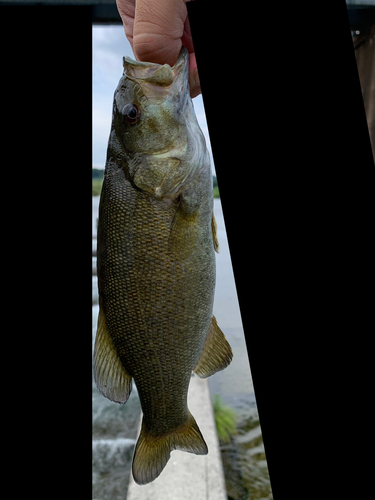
{"x": 214, "y": 234}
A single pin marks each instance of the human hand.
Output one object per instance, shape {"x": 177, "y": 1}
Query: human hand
{"x": 156, "y": 30}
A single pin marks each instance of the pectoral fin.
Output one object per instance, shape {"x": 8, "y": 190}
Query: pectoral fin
{"x": 216, "y": 354}
{"x": 111, "y": 378}
{"x": 183, "y": 232}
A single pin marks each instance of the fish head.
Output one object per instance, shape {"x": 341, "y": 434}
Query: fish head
{"x": 155, "y": 124}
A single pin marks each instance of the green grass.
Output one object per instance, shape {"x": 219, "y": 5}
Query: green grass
{"x": 96, "y": 186}
{"x": 216, "y": 192}
{"x": 225, "y": 420}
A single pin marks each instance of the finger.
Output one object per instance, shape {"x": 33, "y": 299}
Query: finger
{"x": 158, "y": 28}
{"x": 126, "y": 9}
{"x": 187, "y": 40}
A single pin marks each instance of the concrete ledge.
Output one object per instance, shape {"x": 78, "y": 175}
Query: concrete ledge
{"x": 188, "y": 476}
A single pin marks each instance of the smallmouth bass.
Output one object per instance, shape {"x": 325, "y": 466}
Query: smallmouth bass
{"x": 156, "y": 261}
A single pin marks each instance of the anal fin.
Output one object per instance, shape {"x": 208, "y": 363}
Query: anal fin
{"x": 111, "y": 377}
{"x": 216, "y": 354}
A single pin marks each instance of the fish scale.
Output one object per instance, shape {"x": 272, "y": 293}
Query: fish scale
{"x": 156, "y": 262}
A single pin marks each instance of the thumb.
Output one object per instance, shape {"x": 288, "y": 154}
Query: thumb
{"x": 158, "y": 28}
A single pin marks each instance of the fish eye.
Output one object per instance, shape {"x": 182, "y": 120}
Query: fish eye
{"x": 131, "y": 113}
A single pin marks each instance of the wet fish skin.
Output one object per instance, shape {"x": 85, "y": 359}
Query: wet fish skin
{"x": 156, "y": 262}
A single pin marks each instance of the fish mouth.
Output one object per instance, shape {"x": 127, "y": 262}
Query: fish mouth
{"x": 161, "y": 75}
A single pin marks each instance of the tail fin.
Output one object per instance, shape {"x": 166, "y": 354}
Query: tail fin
{"x": 152, "y": 453}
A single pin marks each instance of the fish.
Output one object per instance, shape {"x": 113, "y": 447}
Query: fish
{"x": 156, "y": 244}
